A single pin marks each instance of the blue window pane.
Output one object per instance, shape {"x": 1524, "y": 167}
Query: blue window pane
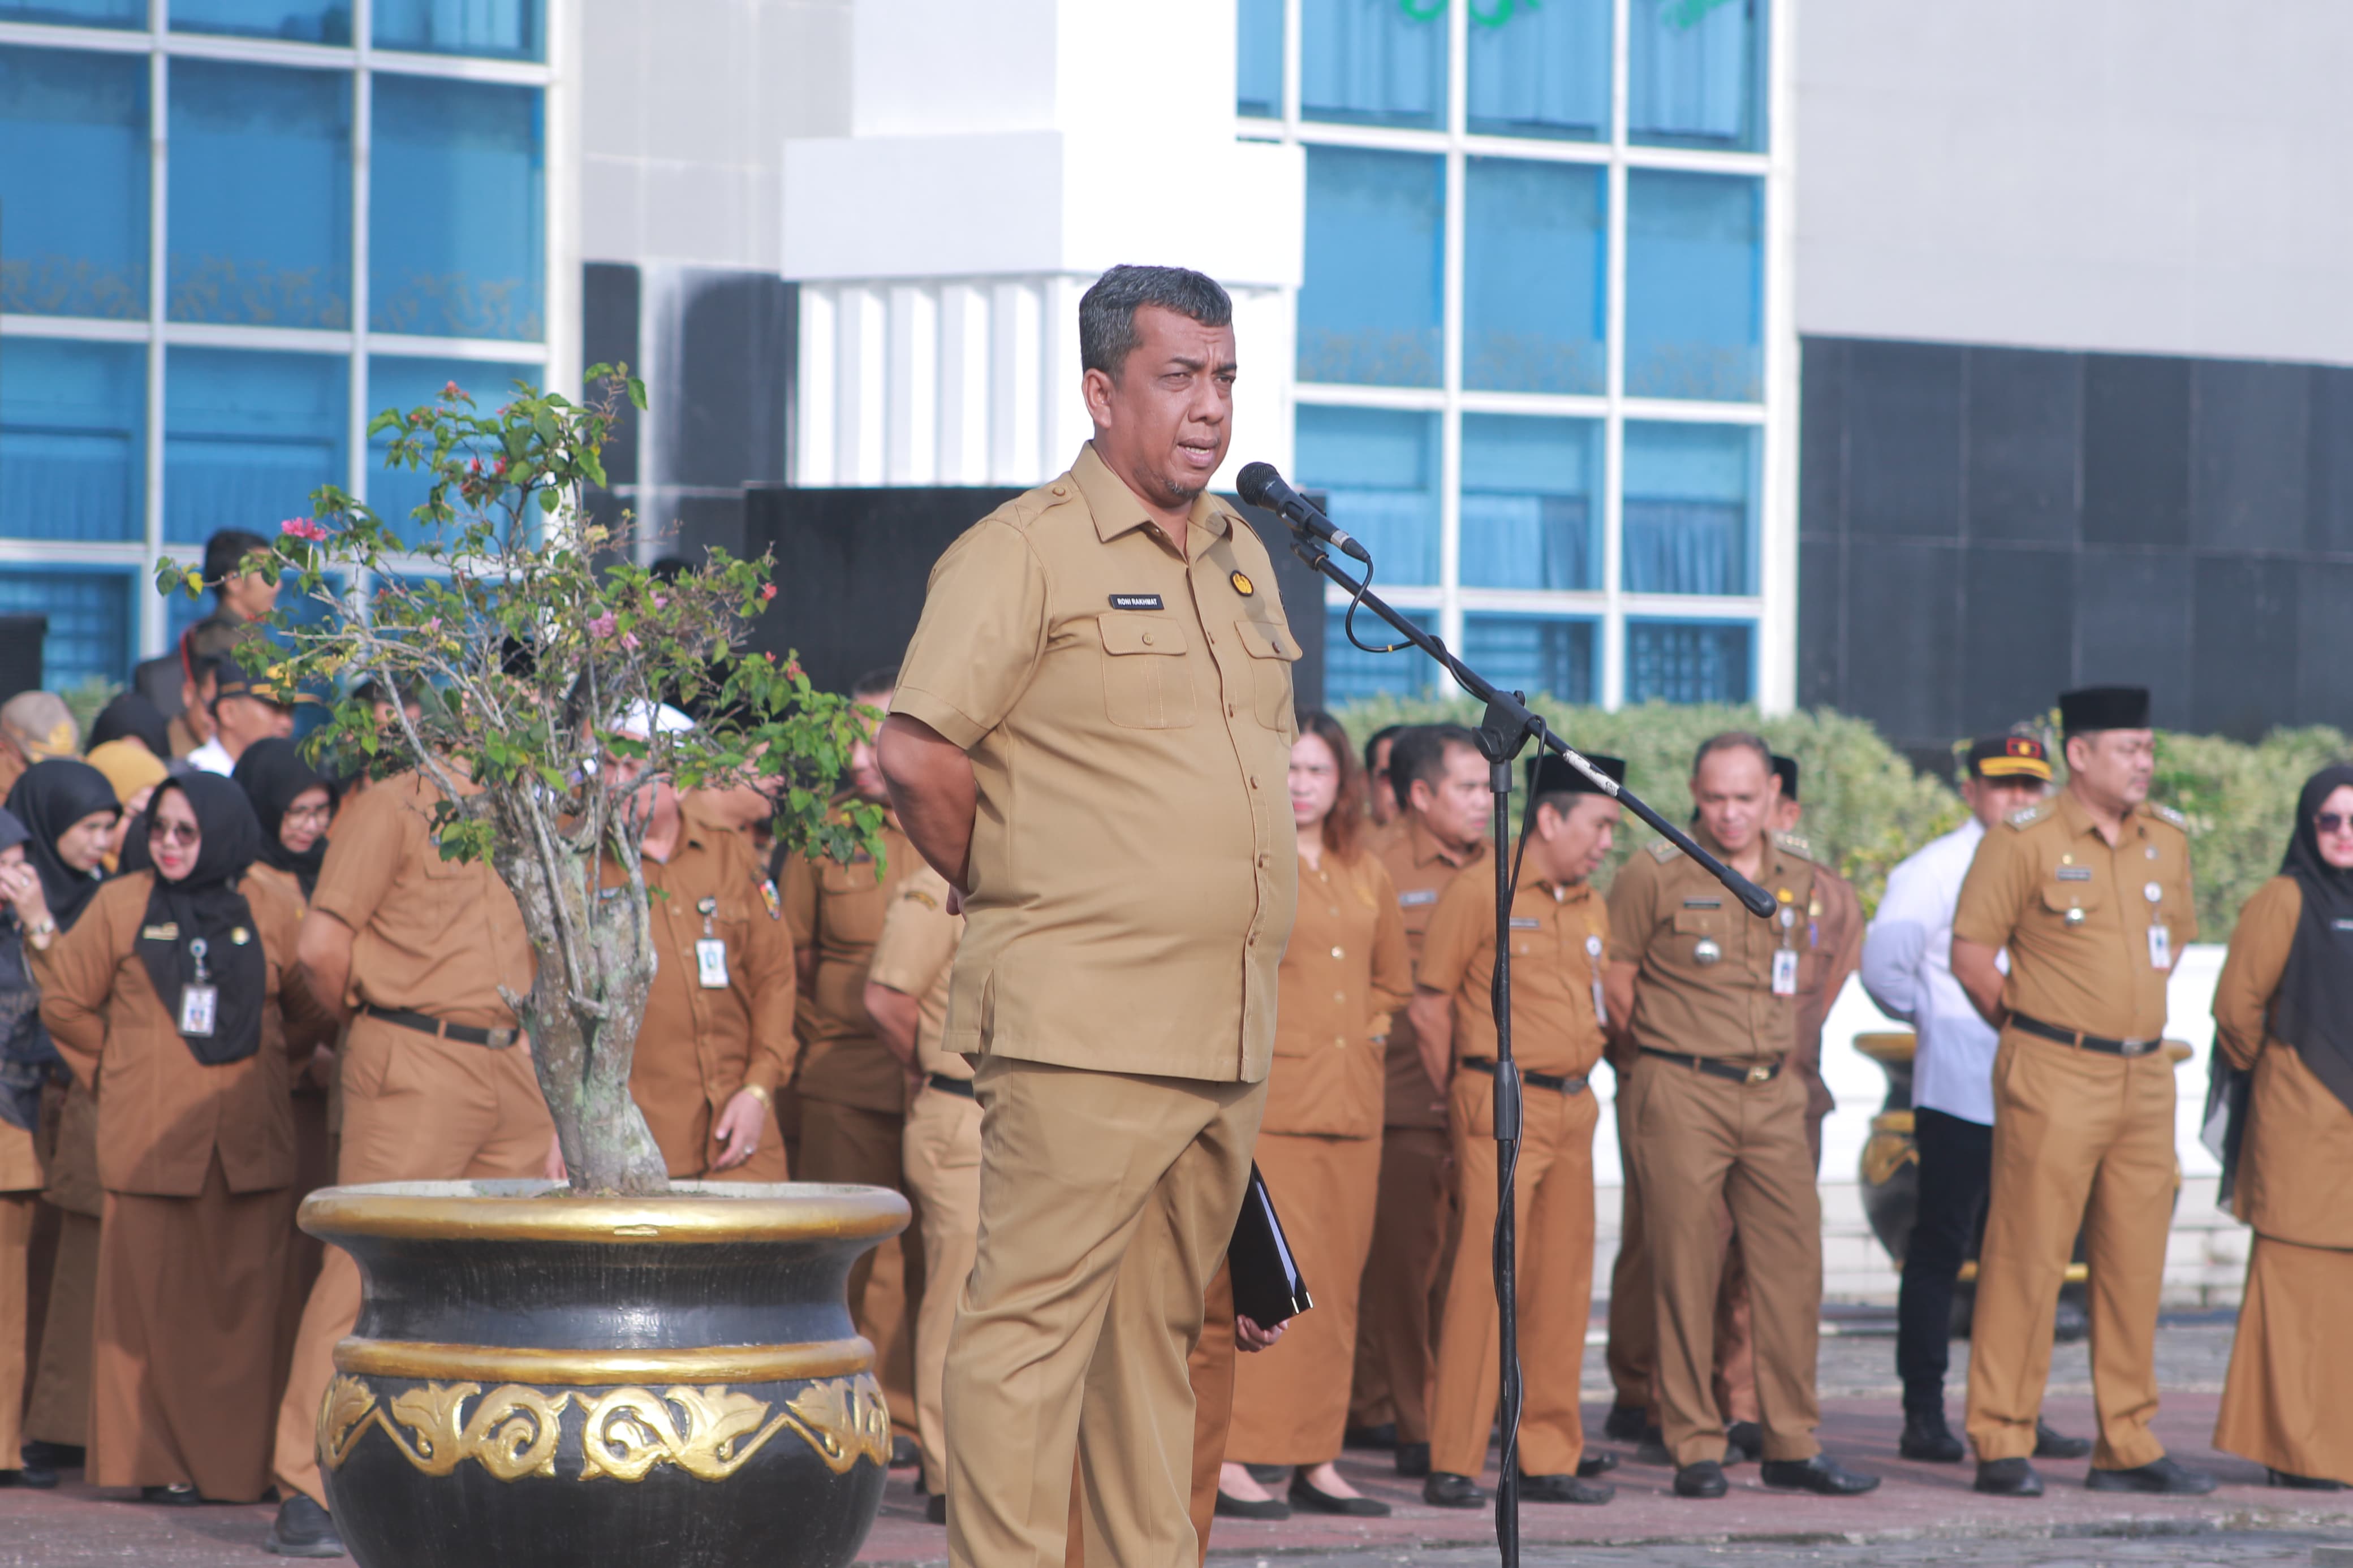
{"x": 77, "y": 13}
{"x": 506, "y": 29}
{"x": 1378, "y": 470}
{"x": 1539, "y": 655}
{"x": 1696, "y": 76}
{"x": 456, "y": 210}
{"x": 1541, "y": 70}
{"x": 73, "y": 184}
{"x": 406, "y": 384}
{"x": 261, "y": 186}
{"x": 1689, "y": 509}
{"x": 1350, "y": 672}
{"x": 91, "y": 620}
{"x": 1688, "y": 661}
{"x": 1373, "y": 62}
{"x": 73, "y": 443}
{"x": 1535, "y": 267}
{"x": 1257, "y": 58}
{"x": 1369, "y": 307}
{"x": 302, "y": 21}
{"x": 248, "y": 437}
{"x": 1531, "y": 502}
{"x": 1695, "y": 286}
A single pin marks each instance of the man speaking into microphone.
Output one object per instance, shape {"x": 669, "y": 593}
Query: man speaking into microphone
{"x": 1090, "y": 739}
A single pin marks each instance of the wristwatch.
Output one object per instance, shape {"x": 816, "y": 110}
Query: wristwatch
{"x": 762, "y": 1095}
{"x": 42, "y": 932}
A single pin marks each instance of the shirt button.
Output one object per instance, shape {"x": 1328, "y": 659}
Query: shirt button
{"x": 1060, "y": 491}
{"x": 1339, "y": 995}
{"x": 1147, "y": 639}
{"x": 1341, "y": 1044}
{"x": 1253, "y": 781}
{"x": 1337, "y": 953}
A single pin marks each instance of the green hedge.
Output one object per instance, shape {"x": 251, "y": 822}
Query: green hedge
{"x": 1866, "y": 808}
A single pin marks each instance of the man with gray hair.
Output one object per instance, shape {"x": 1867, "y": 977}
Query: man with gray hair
{"x": 1089, "y": 741}
{"x": 35, "y": 726}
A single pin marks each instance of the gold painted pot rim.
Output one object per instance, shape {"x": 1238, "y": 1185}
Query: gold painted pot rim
{"x": 423, "y": 1360}
{"x": 1888, "y": 1046}
{"x": 690, "y": 1212}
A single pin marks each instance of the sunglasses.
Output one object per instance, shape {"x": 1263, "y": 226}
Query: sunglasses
{"x": 2330, "y": 822}
{"x": 175, "y": 833}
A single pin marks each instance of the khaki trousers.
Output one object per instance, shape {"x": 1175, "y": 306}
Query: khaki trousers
{"x": 2081, "y": 1139}
{"x": 943, "y": 1154}
{"x": 1400, "y": 1295}
{"x": 1700, "y": 1142}
{"x": 1554, "y": 1188}
{"x": 415, "y": 1109}
{"x": 60, "y": 1412}
{"x": 1106, "y": 1203}
{"x": 16, "y": 1252}
{"x": 1291, "y": 1400}
{"x": 1210, "y": 1370}
{"x": 867, "y": 1148}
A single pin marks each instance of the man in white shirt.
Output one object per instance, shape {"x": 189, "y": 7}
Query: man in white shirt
{"x": 246, "y": 708}
{"x": 1907, "y": 969}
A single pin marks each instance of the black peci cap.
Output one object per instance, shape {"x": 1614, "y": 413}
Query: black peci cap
{"x": 2091, "y": 708}
{"x": 1548, "y": 774}
{"x": 1786, "y": 770}
{"x": 2009, "y": 757}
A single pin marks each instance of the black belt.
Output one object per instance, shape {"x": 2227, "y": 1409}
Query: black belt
{"x": 1756, "y": 1072}
{"x": 947, "y": 1085}
{"x": 426, "y": 1023}
{"x": 2089, "y": 1042}
{"x": 1560, "y": 1083}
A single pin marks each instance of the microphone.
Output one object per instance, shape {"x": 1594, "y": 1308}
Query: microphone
{"x": 1261, "y": 485}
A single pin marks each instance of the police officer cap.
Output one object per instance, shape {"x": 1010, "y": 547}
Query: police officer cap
{"x": 1786, "y": 770}
{"x": 1548, "y": 774}
{"x": 2093, "y": 708}
{"x": 2009, "y": 757}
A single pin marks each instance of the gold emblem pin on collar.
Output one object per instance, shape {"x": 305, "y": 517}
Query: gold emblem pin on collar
{"x": 1242, "y": 585}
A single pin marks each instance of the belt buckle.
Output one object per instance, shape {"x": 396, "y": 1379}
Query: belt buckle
{"x": 2133, "y": 1047}
{"x": 499, "y": 1039}
{"x": 1760, "y": 1072}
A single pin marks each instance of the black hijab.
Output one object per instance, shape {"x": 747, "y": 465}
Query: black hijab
{"x": 273, "y": 773}
{"x": 27, "y": 1057}
{"x": 2313, "y": 1009}
{"x": 205, "y": 905}
{"x": 131, "y": 717}
{"x": 50, "y": 798}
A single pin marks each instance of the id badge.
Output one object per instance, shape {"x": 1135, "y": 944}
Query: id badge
{"x": 1593, "y": 963}
{"x": 711, "y": 964}
{"x": 1785, "y": 972}
{"x": 199, "y": 1004}
{"x": 2160, "y": 947}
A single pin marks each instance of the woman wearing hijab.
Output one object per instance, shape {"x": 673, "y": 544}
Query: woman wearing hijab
{"x": 26, "y": 1060}
{"x": 2283, "y": 1011}
{"x": 131, "y": 717}
{"x": 70, "y": 812}
{"x": 175, "y": 995}
{"x": 293, "y": 802}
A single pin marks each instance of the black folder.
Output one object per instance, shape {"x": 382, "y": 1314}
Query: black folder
{"x": 1268, "y": 1288}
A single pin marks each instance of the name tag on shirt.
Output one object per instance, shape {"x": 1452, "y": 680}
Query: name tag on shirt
{"x": 199, "y": 1006}
{"x": 1136, "y": 602}
{"x": 2160, "y": 947}
{"x": 1415, "y": 899}
{"x": 1785, "y": 972}
{"x": 1524, "y": 923}
{"x": 711, "y": 964}
{"x": 1703, "y": 903}
{"x": 2075, "y": 873}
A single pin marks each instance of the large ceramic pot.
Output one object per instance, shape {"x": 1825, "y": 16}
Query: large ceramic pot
{"x": 537, "y": 1378}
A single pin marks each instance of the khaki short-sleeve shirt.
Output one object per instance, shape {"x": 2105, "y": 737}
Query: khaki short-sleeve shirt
{"x": 1558, "y": 935}
{"x": 2077, "y": 915}
{"x": 915, "y": 956}
{"x": 1128, "y": 714}
{"x": 1420, "y": 867}
{"x": 1704, "y": 980}
{"x": 837, "y": 909}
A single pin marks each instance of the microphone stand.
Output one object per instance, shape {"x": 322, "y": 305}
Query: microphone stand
{"x": 1503, "y": 731}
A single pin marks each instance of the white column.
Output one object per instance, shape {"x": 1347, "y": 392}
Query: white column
{"x": 911, "y": 443}
{"x": 862, "y": 367}
{"x": 963, "y": 384}
{"x": 814, "y": 441}
{"x": 1015, "y": 404}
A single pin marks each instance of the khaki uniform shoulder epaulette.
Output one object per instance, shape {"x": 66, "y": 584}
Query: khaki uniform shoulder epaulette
{"x": 2167, "y": 814}
{"x": 1664, "y": 850}
{"x": 2027, "y": 816}
{"x": 1794, "y": 844}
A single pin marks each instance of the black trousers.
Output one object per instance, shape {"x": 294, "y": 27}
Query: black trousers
{"x": 1955, "y": 1169}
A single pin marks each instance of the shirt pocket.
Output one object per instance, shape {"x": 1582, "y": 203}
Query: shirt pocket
{"x": 1147, "y": 681}
{"x": 2070, "y": 905}
{"x": 1700, "y": 938}
{"x": 1271, "y": 649}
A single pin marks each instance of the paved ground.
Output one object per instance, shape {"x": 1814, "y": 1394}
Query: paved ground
{"x": 1923, "y": 1515}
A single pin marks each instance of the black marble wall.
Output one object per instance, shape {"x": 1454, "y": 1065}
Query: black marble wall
{"x": 1979, "y": 527}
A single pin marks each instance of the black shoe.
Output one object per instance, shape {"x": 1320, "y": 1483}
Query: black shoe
{"x": 1652, "y": 1449}
{"x": 1743, "y": 1441}
{"x": 1594, "y": 1465}
{"x": 903, "y": 1452}
{"x": 180, "y": 1495}
{"x": 2008, "y": 1477}
{"x": 1443, "y": 1490}
{"x": 1309, "y": 1497}
{"x": 40, "y": 1456}
{"x": 2163, "y": 1476}
{"x": 2070, "y": 1324}
{"x": 2302, "y": 1483}
{"x": 935, "y": 1509}
{"x": 1625, "y": 1423}
{"x": 1272, "y": 1510}
{"x": 2050, "y": 1444}
{"x": 1926, "y": 1437}
{"x": 1563, "y": 1488}
{"x": 1413, "y": 1460}
{"x": 1381, "y": 1436}
{"x": 1268, "y": 1475}
{"x": 303, "y": 1530}
{"x": 1819, "y": 1474}
{"x": 1705, "y": 1479}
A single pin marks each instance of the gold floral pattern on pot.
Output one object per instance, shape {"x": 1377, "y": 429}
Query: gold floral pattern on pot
{"x": 511, "y": 1432}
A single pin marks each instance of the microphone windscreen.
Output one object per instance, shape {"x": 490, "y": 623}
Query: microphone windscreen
{"x": 1252, "y": 481}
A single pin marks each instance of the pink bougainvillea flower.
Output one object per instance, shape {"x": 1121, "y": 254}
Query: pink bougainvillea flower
{"x": 767, "y": 591}
{"x": 629, "y": 641}
{"x": 302, "y": 528}
{"x": 450, "y": 390}
{"x": 602, "y": 626}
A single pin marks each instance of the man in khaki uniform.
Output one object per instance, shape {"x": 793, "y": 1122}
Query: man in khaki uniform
{"x": 1710, "y": 995}
{"x": 907, "y": 997}
{"x": 1091, "y": 741}
{"x": 852, "y": 1091}
{"x": 1560, "y": 929}
{"x": 2090, "y": 892}
{"x": 1439, "y": 781}
{"x": 437, "y": 1078}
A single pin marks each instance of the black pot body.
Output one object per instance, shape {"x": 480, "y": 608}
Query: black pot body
{"x": 560, "y": 1381}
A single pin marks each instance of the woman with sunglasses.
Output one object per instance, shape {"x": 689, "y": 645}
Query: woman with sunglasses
{"x": 2283, "y": 1011}
{"x": 176, "y": 999}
